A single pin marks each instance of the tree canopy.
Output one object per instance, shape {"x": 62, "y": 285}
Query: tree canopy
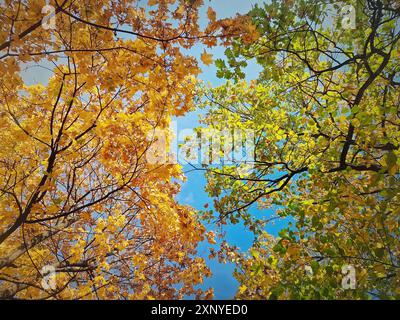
{"x": 325, "y": 112}
{"x": 86, "y": 196}
{"x": 79, "y": 190}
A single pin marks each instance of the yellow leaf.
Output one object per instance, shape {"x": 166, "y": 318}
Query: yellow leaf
{"x": 211, "y": 14}
{"x": 206, "y": 58}
{"x": 242, "y": 289}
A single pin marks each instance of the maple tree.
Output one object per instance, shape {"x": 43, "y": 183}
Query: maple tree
{"x": 80, "y": 187}
{"x": 325, "y": 113}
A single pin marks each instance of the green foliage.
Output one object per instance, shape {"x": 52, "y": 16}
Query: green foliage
{"x": 326, "y": 116}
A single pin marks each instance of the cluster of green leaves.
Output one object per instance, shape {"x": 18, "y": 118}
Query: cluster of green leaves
{"x": 325, "y": 111}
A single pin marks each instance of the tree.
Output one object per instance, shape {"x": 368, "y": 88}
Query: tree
{"x": 81, "y": 197}
{"x": 325, "y": 115}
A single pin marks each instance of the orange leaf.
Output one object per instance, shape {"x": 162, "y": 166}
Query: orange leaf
{"x": 206, "y": 58}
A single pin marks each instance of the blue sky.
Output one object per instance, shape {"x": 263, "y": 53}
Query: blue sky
{"x": 193, "y": 193}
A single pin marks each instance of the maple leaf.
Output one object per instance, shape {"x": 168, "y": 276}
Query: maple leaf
{"x": 206, "y": 58}
{"x": 211, "y": 14}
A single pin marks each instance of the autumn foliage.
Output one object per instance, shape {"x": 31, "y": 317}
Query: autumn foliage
{"x": 79, "y": 190}
{"x": 81, "y": 187}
